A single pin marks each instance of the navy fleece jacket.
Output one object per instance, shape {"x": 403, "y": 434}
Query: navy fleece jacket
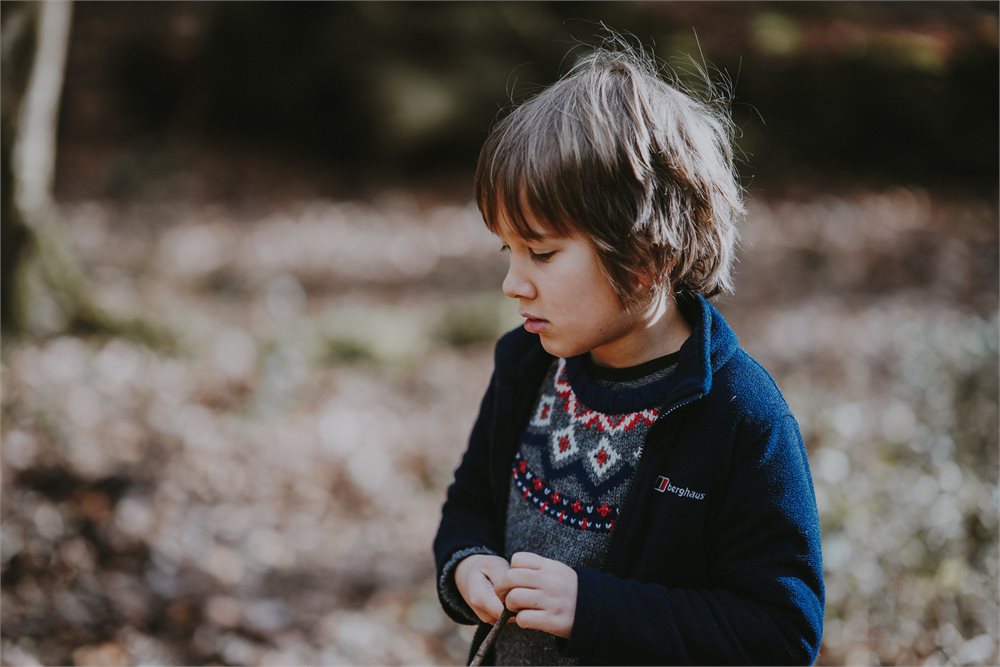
{"x": 734, "y": 577}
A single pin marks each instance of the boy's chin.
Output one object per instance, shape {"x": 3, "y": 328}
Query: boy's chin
{"x": 556, "y": 349}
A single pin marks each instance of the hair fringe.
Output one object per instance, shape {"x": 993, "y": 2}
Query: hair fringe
{"x": 622, "y": 149}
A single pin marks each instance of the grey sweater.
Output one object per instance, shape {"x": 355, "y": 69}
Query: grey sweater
{"x": 568, "y": 480}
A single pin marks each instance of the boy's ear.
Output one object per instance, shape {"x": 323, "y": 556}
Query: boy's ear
{"x": 647, "y": 278}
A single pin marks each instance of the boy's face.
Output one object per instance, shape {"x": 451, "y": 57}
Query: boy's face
{"x": 567, "y": 300}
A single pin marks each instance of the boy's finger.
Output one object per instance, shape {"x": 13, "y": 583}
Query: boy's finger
{"x": 488, "y": 607}
{"x": 524, "y": 598}
{"x": 531, "y": 619}
{"x": 526, "y": 559}
{"x": 516, "y": 578}
{"x": 494, "y": 570}
{"x": 482, "y": 615}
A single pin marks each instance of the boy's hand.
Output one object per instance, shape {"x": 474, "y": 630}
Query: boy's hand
{"x": 476, "y": 577}
{"x": 542, "y": 592}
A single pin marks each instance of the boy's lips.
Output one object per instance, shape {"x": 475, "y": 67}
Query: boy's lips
{"x": 534, "y": 324}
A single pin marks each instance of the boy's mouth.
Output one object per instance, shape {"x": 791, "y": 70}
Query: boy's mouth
{"x": 534, "y": 324}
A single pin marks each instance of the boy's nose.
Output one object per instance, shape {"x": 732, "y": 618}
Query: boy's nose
{"x": 517, "y": 287}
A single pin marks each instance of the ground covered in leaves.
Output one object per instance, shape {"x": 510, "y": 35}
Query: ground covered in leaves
{"x": 267, "y": 493}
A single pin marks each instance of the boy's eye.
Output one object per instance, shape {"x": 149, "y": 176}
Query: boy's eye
{"x": 536, "y": 256}
{"x": 541, "y": 256}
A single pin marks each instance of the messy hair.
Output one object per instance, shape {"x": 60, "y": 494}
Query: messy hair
{"x": 634, "y": 163}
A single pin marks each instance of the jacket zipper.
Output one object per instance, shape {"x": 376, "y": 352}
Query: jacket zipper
{"x": 639, "y": 484}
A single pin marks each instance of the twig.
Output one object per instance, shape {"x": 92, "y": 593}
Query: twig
{"x": 491, "y": 638}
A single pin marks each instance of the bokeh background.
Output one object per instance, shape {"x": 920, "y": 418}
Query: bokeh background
{"x": 231, "y": 445}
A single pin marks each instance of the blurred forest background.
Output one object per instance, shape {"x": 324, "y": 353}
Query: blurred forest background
{"x": 235, "y": 453}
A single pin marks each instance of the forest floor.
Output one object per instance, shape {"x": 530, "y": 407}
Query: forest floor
{"x": 268, "y": 494}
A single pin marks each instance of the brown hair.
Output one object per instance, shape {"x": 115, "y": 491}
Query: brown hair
{"x": 638, "y": 166}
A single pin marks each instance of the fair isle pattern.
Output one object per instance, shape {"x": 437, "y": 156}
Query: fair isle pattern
{"x": 581, "y": 414}
{"x": 572, "y": 511}
{"x": 570, "y": 478}
{"x": 543, "y": 414}
{"x": 585, "y": 451}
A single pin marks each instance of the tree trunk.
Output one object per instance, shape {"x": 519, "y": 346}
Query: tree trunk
{"x": 17, "y": 40}
{"x": 38, "y": 41}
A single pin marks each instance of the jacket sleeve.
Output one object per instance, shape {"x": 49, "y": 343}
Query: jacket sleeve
{"x": 765, "y": 604}
{"x": 468, "y": 519}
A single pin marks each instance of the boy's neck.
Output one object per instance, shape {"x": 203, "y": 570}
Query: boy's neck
{"x": 658, "y": 330}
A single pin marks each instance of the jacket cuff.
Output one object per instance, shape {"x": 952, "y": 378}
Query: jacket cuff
{"x": 456, "y": 607}
{"x": 588, "y": 637}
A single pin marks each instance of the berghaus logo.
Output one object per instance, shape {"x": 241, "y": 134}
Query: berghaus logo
{"x": 663, "y": 485}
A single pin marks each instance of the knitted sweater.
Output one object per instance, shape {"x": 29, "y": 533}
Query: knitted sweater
{"x": 715, "y": 558}
{"x": 570, "y": 477}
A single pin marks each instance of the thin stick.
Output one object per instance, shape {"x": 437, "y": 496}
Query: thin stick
{"x": 491, "y": 638}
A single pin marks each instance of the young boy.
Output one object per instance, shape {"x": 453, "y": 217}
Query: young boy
{"x": 635, "y": 488}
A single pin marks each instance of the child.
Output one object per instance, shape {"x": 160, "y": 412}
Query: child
{"x": 635, "y": 488}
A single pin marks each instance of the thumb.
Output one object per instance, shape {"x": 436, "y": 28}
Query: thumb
{"x": 495, "y": 568}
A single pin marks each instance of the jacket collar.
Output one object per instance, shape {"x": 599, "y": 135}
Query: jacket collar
{"x": 522, "y": 362}
{"x": 711, "y": 344}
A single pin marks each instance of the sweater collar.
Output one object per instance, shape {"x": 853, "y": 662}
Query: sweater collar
{"x": 711, "y": 343}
